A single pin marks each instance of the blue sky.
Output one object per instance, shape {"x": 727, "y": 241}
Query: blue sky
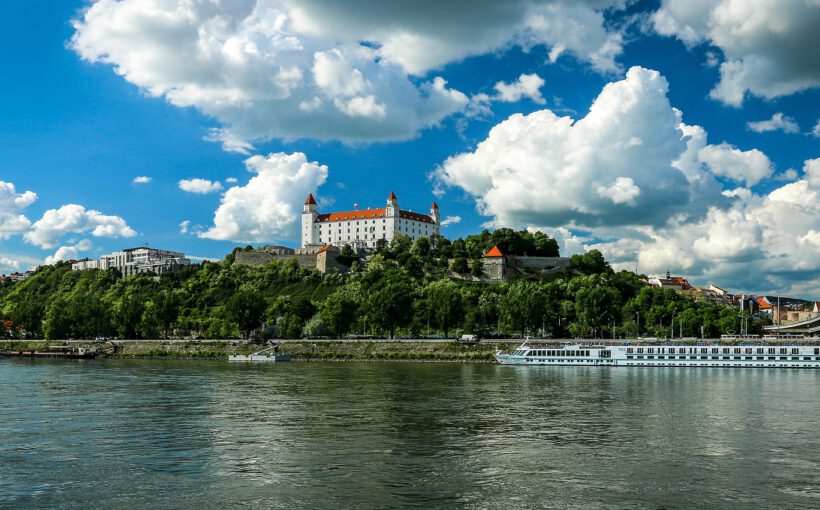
{"x": 352, "y": 104}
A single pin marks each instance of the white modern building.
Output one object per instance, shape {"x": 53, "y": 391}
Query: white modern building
{"x": 137, "y": 260}
{"x": 363, "y": 228}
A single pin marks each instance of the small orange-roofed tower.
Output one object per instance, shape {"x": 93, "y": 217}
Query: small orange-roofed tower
{"x": 310, "y": 212}
{"x": 495, "y": 264}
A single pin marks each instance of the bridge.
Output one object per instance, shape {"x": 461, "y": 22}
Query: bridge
{"x": 806, "y": 327}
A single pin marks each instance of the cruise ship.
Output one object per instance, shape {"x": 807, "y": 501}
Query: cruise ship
{"x": 670, "y": 355}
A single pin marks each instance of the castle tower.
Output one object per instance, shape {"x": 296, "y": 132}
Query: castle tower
{"x": 434, "y": 213}
{"x": 310, "y": 212}
{"x": 392, "y": 206}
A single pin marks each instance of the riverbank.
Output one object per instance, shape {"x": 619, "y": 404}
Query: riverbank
{"x": 303, "y": 350}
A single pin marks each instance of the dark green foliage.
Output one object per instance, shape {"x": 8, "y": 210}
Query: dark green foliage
{"x": 246, "y": 308}
{"x": 407, "y": 288}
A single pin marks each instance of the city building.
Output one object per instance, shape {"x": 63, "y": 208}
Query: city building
{"x": 363, "y": 228}
{"x": 669, "y": 282}
{"x": 132, "y": 261}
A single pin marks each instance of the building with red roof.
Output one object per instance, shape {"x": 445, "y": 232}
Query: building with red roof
{"x": 363, "y": 228}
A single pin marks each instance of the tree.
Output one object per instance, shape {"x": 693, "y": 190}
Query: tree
{"x": 390, "y": 303}
{"x": 524, "y": 306}
{"x": 477, "y": 268}
{"x": 444, "y": 304}
{"x": 338, "y": 313}
{"x": 246, "y": 308}
{"x": 128, "y": 314}
{"x": 591, "y": 262}
{"x": 166, "y": 311}
{"x": 596, "y": 307}
{"x": 459, "y": 265}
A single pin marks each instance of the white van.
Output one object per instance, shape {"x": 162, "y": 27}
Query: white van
{"x": 468, "y": 339}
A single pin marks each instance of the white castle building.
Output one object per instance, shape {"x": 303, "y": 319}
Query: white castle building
{"x": 363, "y": 228}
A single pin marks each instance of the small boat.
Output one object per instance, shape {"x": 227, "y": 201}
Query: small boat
{"x": 263, "y": 356}
{"x": 53, "y": 352}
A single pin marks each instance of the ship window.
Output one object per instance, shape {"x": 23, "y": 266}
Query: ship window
{"x": 650, "y": 351}
{"x": 771, "y": 351}
{"x": 748, "y": 351}
{"x": 640, "y": 357}
{"x": 759, "y": 351}
{"x": 661, "y": 357}
{"x": 806, "y": 358}
{"x": 725, "y": 350}
{"x": 672, "y": 350}
{"x": 640, "y": 350}
{"x": 782, "y": 351}
{"x": 715, "y": 351}
{"x": 629, "y": 350}
{"x": 703, "y": 351}
{"x": 795, "y": 351}
{"x": 772, "y": 357}
{"x": 816, "y": 351}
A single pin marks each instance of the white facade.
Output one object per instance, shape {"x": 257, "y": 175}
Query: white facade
{"x": 137, "y": 260}
{"x": 363, "y": 228}
{"x": 86, "y": 264}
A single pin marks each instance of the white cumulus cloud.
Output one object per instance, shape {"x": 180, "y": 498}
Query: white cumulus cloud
{"x": 743, "y": 166}
{"x": 269, "y": 206}
{"x": 324, "y": 69}
{"x": 12, "y": 221}
{"x": 450, "y": 220}
{"x": 200, "y": 186}
{"x": 622, "y": 191}
{"x": 141, "y": 179}
{"x": 69, "y": 252}
{"x": 8, "y": 265}
{"x": 527, "y": 85}
{"x": 184, "y": 226}
{"x": 778, "y": 122}
{"x": 616, "y": 166}
{"x": 230, "y": 141}
{"x": 74, "y": 218}
{"x": 770, "y": 48}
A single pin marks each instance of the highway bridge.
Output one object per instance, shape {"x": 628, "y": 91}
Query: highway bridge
{"x": 805, "y": 327}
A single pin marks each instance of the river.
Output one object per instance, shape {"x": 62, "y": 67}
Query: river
{"x": 156, "y": 434}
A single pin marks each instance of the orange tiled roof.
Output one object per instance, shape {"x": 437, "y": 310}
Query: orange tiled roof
{"x": 435, "y": 206}
{"x": 392, "y": 196}
{"x": 494, "y": 252}
{"x": 324, "y": 248}
{"x": 764, "y": 304}
{"x": 367, "y": 214}
{"x": 310, "y": 200}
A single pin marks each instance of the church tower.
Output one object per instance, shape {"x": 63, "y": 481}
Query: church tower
{"x": 310, "y": 212}
{"x": 434, "y": 213}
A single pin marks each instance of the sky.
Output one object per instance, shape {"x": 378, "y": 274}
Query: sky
{"x": 675, "y": 134}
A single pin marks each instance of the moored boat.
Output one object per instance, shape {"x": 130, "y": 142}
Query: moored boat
{"x": 263, "y": 356}
{"x": 53, "y": 352}
{"x": 745, "y": 355}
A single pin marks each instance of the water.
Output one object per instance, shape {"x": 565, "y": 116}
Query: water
{"x": 193, "y": 434}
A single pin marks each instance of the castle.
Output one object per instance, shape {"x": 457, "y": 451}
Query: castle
{"x": 363, "y": 228}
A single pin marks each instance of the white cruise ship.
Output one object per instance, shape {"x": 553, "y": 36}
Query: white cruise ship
{"x": 744, "y": 355}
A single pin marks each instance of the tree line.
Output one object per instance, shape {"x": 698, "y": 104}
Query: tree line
{"x": 407, "y": 288}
